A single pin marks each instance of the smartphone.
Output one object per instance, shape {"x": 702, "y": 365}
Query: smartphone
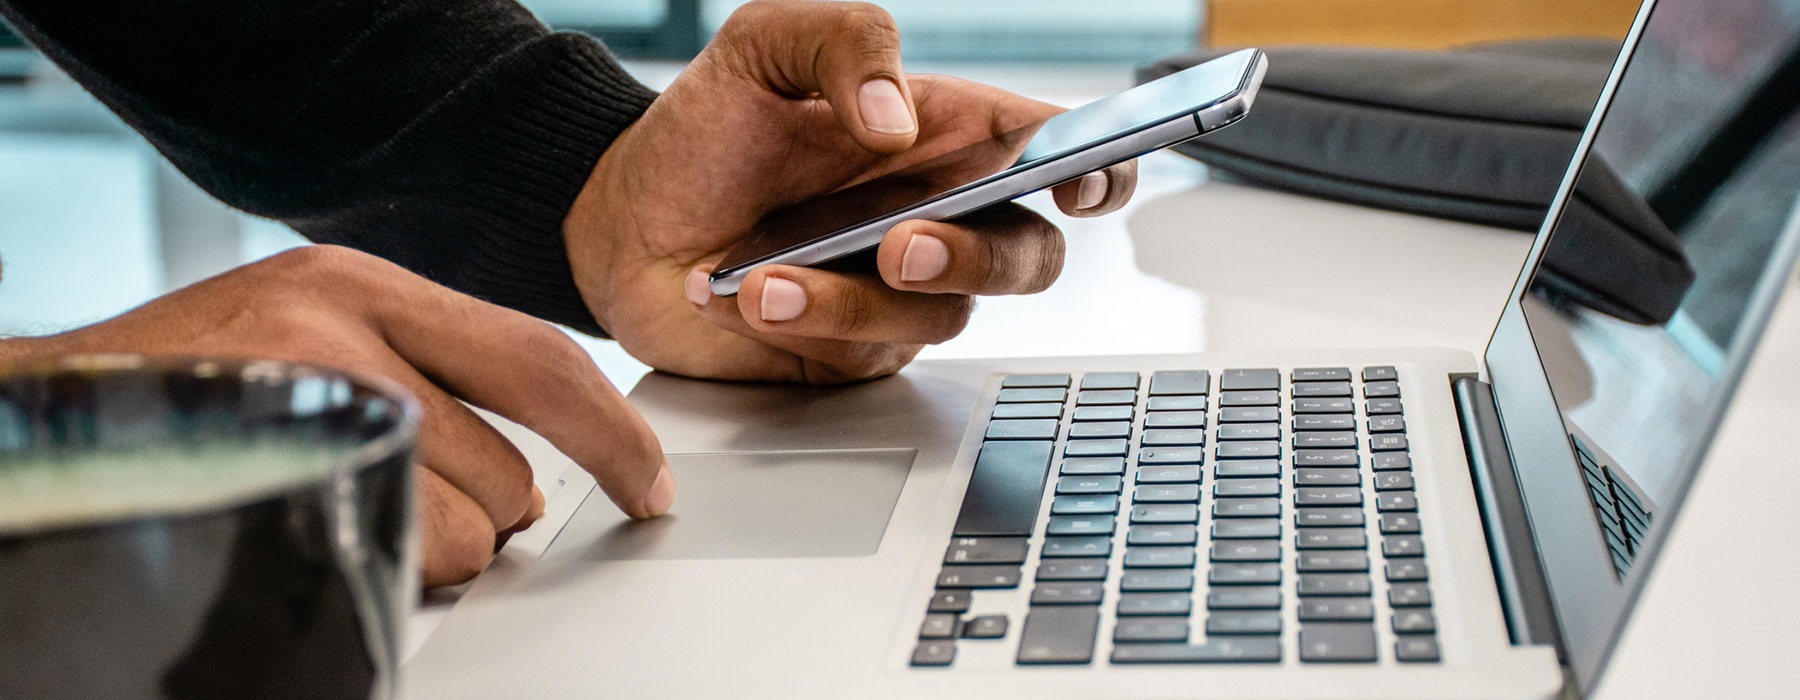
{"x": 849, "y": 223}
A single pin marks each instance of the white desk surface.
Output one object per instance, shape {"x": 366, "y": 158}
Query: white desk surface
{"x": 1194, "y": 265}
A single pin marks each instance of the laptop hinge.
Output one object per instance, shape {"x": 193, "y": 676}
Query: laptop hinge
{"x": 1523, "y": 593}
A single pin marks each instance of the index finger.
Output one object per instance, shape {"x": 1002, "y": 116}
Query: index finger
{"x": 522, "y": 368}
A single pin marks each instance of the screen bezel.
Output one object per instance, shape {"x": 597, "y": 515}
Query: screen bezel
{"x": 1590, "y": 602}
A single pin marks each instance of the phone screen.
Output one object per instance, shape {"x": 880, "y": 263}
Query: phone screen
{"x": 1177, "y": 96}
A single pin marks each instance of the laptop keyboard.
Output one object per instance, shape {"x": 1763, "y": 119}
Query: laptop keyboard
{"x": 1179, "y": 506}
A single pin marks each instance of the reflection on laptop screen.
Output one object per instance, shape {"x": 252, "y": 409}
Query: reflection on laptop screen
{"x": 1676, "y": 230}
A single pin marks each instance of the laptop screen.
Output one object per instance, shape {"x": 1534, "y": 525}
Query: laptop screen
{"x": 1656, "y": 277}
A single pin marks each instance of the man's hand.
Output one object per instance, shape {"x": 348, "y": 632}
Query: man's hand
{"x": 792, "y": 101}
{"x": 340, "y": 308}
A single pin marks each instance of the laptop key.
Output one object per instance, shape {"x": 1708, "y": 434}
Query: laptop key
{"x": 1035, "y": 429}
{"x": 1151, "y": 629}
{"x": 1387, "y": 461}
{"x": 1328, "y": 496}
{"x": 1179, "y": 382}
{"x": 1246, "y": 488}
{"x": 1387, "y": 442}
{"x": 1377, "y": 407}
{"x": 1319, "y": 421}
{"x": 1247, "y": 508}
{"x": 1100, "y": 429}
{"x": 1324, "y": 405}
{"x": 1396, "y": 502}
{"x": 951, "y": 601}
{"x": 1072, "y": 570}
{"x": 1175, "y": 419}
{"x": 1399, "y": 523}
{"x": 1321, "y": 389}
{"x": 1095, "y": 448}
{"x": 1328, "y": 517}
{"x": 1261, "y": 449}
{"x": 1167, "y": 493}
{"x": 1326, "y": 458}
{"x": 1090, "y": 546}
{"x": 1088, "y": 485}
{"x": 1402, "y": 546}
{"x": 1060, "y": 634}
{"x": 1223, "y": 650}
{"x": 1084, "y": 505}
{"x": 1247, "y": 469}
{"x": 1055, "y": 395}
{"x": 1415, "y": 620}
{"x": 1326, "y": 477}
{"x": 1133, "y": 604}
{"x": 1093, "y": 466}
{"x": 1250, "y": 414}
{"x": 1233, "y": 379}
{"x": 979, "y": 576}
{"x": 1028, "y": 381}
{"x": 1109, "y": 380}
{"x": 1250, "y": 431}
{"x": 1416, "y": 648}
{"x": 1247, "y": 529}
{"x": 984, "y": 627}
{"x": 1394, "y": 481}
{"x": 1407, "y": 570}
{"x": 1321, "y": 374}
{"x": 1244, "y": 574}
{"x": 1165, "y": 513}
{"x": 1080, "y": 525}
{"x": 1156, "y": 580}
{"x": 1244, "y": 598}
{"x": 1338, "y": 609}
{"x": 1027, "y": 410}
{"x": 1171, "y": 455}
{"x": 1382, "y": 390}
{"x": 1243, "y": 622}
{"x": 1173, "y": 436}
{"x": 1408, "y": 595}
{"x": 1105, "y": 397}
{"x": 1379, "y": 374}
{"x": 1168, "y": 474}
{"x": 1162, "y": 535}
{"x": 986, "y": 550}
{"x": 1246, "y": 550}
{"x": 1004, "y": 492}
{"x": 1333, "y": 561}
{"x": 1068, "y": 593}
{"x": 934, "y": 652}
{"x": 1337, "y": 642}
{"x": 1176, "y": 403}
{"x": 1159, "y": 557}
{"x": 1330, "y": 538}
{"x": 939, "y": 626}
{"x": 1102, "y": 413}
{"x": 1334, "y": 585}
{"x": 1229, "y": 399}
{"x": 1387, "y": 424}
{"x": 1329, "y": 440}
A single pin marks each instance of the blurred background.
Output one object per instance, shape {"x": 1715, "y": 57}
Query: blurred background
{"x": 92, "y": 222}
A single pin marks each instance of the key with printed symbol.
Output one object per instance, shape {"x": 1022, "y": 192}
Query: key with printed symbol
{"x": 1246, "y": 508}
{"x": 1159, "y": 557}
{"x": 1321, "y": 374}
{"x": 1098, "y": 430}
{"x": 1072, "y": 570}
{"x": 1079, "y": 546}
{"x": 1417, "y": 620}
{"x": 1352, "y": 642}
{"x": 1109, "y": 380}
{"x": 1162, "y": 535}
{"x": 1243, "y": 622}
{"x": 1068, "y": 593}
{"x": 985, "y": 627}
{"x": 1059, "y": 634}
{"x": 1175, "y": 419}
{"x": 951, "y": 601}
{"x": 1247, "y": 469}
{"x": 1334, "y": 585}
{"x": 934, "y": 652}
{"x": 1244, "y": 598}
{"x": 1151, "y": 629}
{"x": 1105, "y": 397}
{"x": 1408, "y": 595}
{"x": 1176, "y": 403}
{"x": 1088, "y": 485}
{"x": 1337, "y": 609}
{"x": 986, "y": 550}
{"x": 1179, "y": 382}
{"x": 1222, "y": 650}
{"x": 1166, "y": 493}
{"x": 1324, "y": 421}
{"x": 1102, "y": 413}
{"x": 1168, "y": 474}
{"x": 1027, "y": 410}
{"x": 1246, "y": 551}
{"x": 1134, "y": 604}
{"x": 939, "y": 626}
{"x": 1156, "y": 580}
{"x": 1093, "y": 466}
{"x": 1232, "y": 399}
{"x": 978, "y": 576}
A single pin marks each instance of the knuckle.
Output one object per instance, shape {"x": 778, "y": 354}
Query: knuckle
{"x": 953, "y": 319}
{"x": 866, "y": 20}
{"x": 853, "y": 312}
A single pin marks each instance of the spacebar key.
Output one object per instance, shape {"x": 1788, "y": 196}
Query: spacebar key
{"x": 1004, "y": 492}
{"x": 1059, "y": 634}
{"x": 1215, "y": 650}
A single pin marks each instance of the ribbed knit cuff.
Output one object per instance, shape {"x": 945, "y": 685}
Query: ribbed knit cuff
{"x": 544, "y": 114}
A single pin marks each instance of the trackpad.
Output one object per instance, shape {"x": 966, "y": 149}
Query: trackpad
{"x": 812, "y": 503}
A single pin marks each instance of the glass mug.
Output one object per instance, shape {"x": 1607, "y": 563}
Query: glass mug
{"x": 191, "y": 528}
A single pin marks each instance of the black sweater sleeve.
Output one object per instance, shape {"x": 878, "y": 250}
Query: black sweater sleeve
{"x": 450, "y": 136}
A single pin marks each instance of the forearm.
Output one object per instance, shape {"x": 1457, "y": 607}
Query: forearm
{"x": 447, "y": 135}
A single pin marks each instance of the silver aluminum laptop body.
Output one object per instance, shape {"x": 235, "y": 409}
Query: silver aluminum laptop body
{"x": 813, "y": 522}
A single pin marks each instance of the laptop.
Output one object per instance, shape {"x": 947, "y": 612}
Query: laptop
{"x": 1400, "y": 523}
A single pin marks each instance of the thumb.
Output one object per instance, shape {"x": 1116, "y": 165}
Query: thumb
{"x": 848, "y": 53}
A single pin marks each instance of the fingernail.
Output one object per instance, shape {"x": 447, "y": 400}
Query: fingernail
{"x": 1091, "y": 191}
{"x": 662, "y": 492}
{"x": 925, "y": 258}
{"x": 884, "y": 108}
{"x": 782, "y": 300}
{"x": 697, "y": 288}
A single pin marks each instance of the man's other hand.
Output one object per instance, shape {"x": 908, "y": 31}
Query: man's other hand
{"x": 339, "y": 308}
